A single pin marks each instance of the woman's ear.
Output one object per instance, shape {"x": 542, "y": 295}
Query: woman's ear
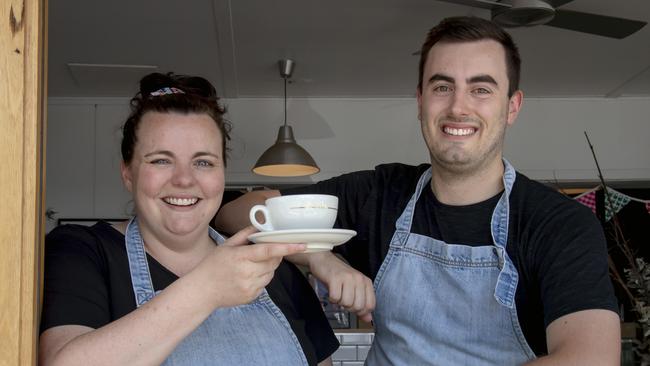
{"x": 127, "y": 178}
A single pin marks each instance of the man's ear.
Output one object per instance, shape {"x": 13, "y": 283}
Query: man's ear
{"x": 514, "y": 106}
{"x": 419, "y": 98}
{"x": 127, "y": 179}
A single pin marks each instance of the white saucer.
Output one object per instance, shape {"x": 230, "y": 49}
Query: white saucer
{"x": 317, "y": 240}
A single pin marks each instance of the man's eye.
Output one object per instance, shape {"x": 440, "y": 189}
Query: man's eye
{"x": 160, "y": 161}
{"x": 482, "y": 91}
{"x": 442, "y": 89}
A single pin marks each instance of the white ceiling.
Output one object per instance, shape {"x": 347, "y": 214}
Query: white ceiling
{"x": 342, "y": 48}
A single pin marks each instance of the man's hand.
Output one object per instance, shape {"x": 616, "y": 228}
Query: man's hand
{"x": 347, "y": 287}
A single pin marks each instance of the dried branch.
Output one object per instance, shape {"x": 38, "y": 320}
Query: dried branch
{"x": 637, "y": 276}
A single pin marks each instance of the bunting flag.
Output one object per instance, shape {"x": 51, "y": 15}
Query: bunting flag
{"x": 588, "y": 199}
{"x": 614, "y": 203}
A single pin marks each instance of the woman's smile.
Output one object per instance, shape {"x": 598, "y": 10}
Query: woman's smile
{"x": 181, "y": 202}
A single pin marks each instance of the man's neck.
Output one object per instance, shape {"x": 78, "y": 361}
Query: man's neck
{"x": 452, "y": 188}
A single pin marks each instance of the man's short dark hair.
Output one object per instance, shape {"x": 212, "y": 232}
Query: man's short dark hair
{"x": 468, "y": 29}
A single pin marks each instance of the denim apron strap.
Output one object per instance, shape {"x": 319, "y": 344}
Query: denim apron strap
{"x": 138, "y": 266}
{"x": 404, "y": 222}
{"x": 215, "y": 236}
{"x": 506, "y": 286}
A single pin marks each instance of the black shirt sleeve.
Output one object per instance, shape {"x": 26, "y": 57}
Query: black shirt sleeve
{"x": 560, "y": 252}
{"x": 572, "y": 266}
{"x": 75, "y": 290}
{"x": 291, "y": 291}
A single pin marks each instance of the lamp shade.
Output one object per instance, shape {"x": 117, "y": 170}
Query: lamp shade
{"x": 285, "y": 158}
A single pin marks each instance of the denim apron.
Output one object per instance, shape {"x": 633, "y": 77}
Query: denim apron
{"x": 253, "y": 334}
{"x": 448, "y": 304}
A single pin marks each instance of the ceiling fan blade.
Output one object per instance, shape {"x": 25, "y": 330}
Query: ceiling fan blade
{"x": 483, "y": 4}
{"x": 557, "y": 3}
{"x": 601, "y": 25}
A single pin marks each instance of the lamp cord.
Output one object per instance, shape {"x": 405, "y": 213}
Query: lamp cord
{"x": 285, "y": 101}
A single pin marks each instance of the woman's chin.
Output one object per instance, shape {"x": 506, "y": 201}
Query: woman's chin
{"x": 185, "y": 227}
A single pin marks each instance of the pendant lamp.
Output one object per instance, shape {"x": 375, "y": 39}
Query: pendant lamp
{"x": 285, "y": 158}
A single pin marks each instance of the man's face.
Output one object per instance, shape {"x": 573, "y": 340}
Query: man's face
{"x": 464, "y": 106}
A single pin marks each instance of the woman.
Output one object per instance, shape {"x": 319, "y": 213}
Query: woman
{"x": 158, "y": 290}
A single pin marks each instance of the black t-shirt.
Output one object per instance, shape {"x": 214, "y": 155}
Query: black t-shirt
{"x": 556, "y": 244}
{"x": 87, "y": 282}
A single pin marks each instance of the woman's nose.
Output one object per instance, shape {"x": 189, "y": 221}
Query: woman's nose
{"x": 183, "y": 176}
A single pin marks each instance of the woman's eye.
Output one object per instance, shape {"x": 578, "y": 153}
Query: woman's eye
{"x": 204, "y": 163}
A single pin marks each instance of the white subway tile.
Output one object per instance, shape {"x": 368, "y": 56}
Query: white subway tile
{"x": 362, "y": 352}
{"x": 345, "y": 353}
{"x": 356, "y": 338}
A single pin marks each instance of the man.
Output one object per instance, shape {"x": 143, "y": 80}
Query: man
{"x": 472, "y": 262}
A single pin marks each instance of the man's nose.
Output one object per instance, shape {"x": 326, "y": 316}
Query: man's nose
{"x": 459, "y": 104}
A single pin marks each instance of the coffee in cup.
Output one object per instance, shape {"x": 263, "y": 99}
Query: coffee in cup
{"x": 300, "y": 211}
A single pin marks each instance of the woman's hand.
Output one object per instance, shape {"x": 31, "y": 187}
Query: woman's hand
{"x": 347, "y": 287}
{"x": 244, "y": 270}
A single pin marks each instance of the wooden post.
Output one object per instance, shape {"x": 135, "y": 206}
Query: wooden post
{"x": 22, "y": 111}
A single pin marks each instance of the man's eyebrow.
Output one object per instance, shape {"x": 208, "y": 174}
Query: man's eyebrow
{"x": 442, "y": 77}
{"x": 482, "y": 79}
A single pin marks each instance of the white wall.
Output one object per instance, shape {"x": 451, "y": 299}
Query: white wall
{"x": 548, "y": 140}
{"x": 546, "y": 143}
{"x": 83, "y": 159}
{"x": 344, "y": 135}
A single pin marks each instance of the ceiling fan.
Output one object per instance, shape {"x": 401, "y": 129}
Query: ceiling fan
{"x": 523, "y": 13}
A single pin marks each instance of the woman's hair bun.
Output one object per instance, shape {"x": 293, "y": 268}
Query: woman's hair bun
{"x": 155, "y": 81}
{"x": 189, "y": 84}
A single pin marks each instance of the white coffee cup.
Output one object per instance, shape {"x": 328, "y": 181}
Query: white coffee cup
{"x": 300, "y": 211}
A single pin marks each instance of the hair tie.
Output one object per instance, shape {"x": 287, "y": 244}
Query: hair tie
{"x": 165, "y": 91}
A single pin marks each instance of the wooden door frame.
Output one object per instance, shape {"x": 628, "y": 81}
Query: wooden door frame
{"x": 23, "y": 99}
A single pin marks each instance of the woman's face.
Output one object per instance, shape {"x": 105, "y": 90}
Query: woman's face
{"x": 176, "y": 175}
